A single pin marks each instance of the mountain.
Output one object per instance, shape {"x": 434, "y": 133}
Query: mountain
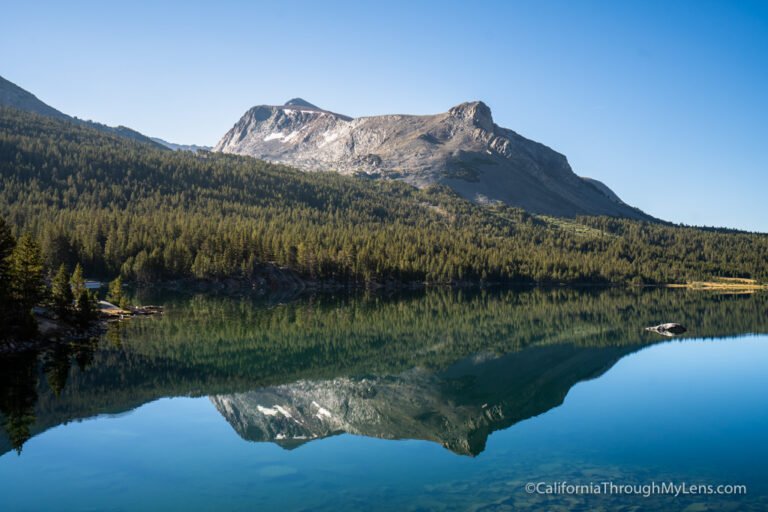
{"x": 213, "y": 216}
{"x": 462, "y": 148}
{"x": 121, "y": 131}
{"x": 11, "y": 95}
{"x": 180, "y": 147}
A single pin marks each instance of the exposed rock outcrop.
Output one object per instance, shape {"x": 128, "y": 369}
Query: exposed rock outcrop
{"x": 462, "y": 148}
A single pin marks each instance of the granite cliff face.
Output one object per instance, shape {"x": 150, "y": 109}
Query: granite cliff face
{"x": 462, "y": 148}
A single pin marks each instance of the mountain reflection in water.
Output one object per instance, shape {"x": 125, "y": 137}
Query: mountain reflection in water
{"x": 443, "y": 366}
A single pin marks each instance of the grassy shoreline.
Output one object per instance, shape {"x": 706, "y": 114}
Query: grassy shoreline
{"x": 733, "y": 284}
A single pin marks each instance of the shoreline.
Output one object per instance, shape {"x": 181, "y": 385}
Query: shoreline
{"x": 724, "y": 284}
{"x": 298, "y": 286}
{"x": 53, "y": 333}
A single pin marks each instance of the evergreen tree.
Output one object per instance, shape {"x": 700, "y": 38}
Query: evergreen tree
{"x": 61, "y": 293}
{"x": 115, "y": 292}
{"x": 7, "y": 244}
{"x": 78, "y": 282}
{"x": 28, "y": 273}
{"x": 87, "y": 309}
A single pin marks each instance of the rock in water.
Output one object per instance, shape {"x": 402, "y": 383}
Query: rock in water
{"x": 668, "y": 329}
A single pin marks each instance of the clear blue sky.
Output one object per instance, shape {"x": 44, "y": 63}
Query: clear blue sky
{"x": 666, "y": 102}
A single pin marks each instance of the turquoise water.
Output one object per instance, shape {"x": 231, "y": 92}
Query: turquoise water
{"x": 415, "y": 417}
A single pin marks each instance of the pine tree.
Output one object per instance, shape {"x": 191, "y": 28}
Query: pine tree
{"x": 77, "y": 281}
{"x": 86, "y": 308}
{"x": 7, "y": 244}
{"x": 61, "y": 293}
{"x": 28, "y": 273}
{"x": 115, "y": 293}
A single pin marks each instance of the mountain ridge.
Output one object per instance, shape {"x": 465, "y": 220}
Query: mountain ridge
{"x": 462, "y": 148}
{"x": 11, "y": 95}
{"x": 194, "y": 148}
{"x": 14, "y": 96}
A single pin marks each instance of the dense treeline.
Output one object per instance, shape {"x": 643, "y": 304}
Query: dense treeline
{"x": 25, "y": 282}
{"x": 126, "y": 208}
{"x": 22, "y": 282}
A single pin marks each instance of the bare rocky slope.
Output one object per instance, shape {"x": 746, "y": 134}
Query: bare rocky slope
{"x": 462, "y": 148}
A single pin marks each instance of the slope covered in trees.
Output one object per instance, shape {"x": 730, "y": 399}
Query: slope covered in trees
{"x": 123, "y": 207}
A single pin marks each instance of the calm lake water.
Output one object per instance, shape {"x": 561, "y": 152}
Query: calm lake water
{"x": 436, "y": 401}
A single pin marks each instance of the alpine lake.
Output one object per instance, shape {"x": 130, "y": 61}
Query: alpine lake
{"x": 439, "y": 400}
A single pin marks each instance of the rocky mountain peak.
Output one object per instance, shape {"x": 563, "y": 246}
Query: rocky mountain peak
{"x": 475, "y": 112}
{"x": 300, "y": 102}
{"x": 462, "y": 149}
